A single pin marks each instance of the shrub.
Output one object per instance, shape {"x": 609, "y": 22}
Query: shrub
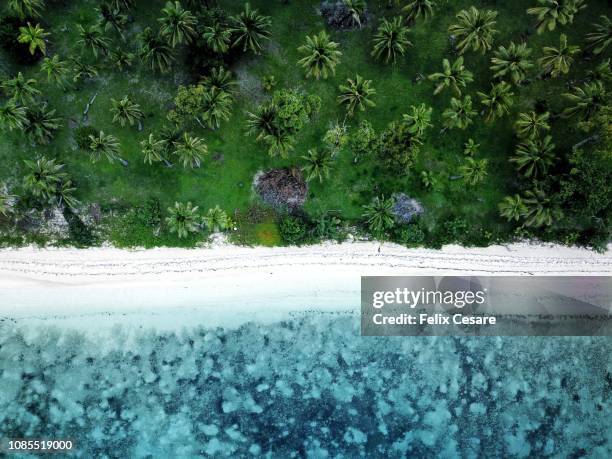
{"x": 81, "y": 136}
{"x": 411, "y": 236}
{"x": 293, "y": 229}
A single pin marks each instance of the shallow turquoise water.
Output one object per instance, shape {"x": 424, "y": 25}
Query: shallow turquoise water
{"x": 309, "y": 386}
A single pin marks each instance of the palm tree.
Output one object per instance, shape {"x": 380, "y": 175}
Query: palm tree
{"x": 121, "y": 58}
{"x": 126, "y": 111}
{"x": 533, "y": 157}
{"x": 530, "y": 125}
{"x": 356, "y": 94}
{"x": 5, "y": 201}
{"x": 183, "y": 219}
{"x": 56, "y": 70}
{"x": 153, "y": 149}
{"x": 216, "y": 219}
{"x": 82, "y": 70}
{"x": 318, "y": 164}
{"x": 64, "y": 192}
{"x": 356, "y": 9}
{"x": 512, "y": 61}
{"x": 26, "y": 8}
{"x": 417, "y": 8}
{"x": 470, "y": 148}
{"x": 474, "y": 171}
{"x": 105, "y": 145}
{"x": 556, "y": 61}
{"x": 263, "y": 122}
{"x": 322, "y": 56}
{"x": 34, "y": 37}
{"x": 43, "y": 176}
{"x": 216, "y": 107}
{"x": 539, "y": 208}
{"x": 459, "y": 114}
{"x": 190, "y": 151}
{"x": 219, "y": 78}
{"x": 93, "y": 37}
{"x": 112, "y": 18}
{"x": 602, "y": 72}
{"x": 602, "y": 37}
{"x": 454, "y": 76}
{"x": 122, "y": 5}
{"x": 177, "y": 24}
{"x": 155, "y": 52}
{"x": 586, "y": 100}
{"x": 20, "y": 89}
{"x": 475, "y": 29}
{"x": 512, "y": 208}
{"x": 498, "y": 101}
{"x": 41, "y": 124}
{"x": 280, "y": 144}
{"x": 391, "y": 39}
{"x": 218, "y": 37}
{"x": 379, "y": 215}
{"x": 418, "y": 120}
{"x": 249, "y": 28}
{"x": 552, "y": 12}
{"x": 13, "y": 116}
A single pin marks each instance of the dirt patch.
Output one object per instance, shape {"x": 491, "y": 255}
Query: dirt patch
{"x": 283, "y": 189}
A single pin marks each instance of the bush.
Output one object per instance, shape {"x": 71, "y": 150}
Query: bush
{"x": 293, "y": 230}
{"x": 411, "y": 236}
{"x": 80, "y": 234}
{"x": 81, "y": 136}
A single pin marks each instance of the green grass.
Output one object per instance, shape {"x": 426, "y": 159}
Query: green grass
{"x": 228, "y": 181}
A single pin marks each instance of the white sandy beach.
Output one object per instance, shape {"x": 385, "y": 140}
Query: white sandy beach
{"x": 226, "y": 285}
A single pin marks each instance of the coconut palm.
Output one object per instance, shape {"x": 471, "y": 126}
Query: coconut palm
{"x": 82, "y": 70}
{"x": 190, "y": 151}
{"x": 280, "y": 144}
{"x": 512, "y": 208}
{"x": 219, "y": 78}
{"x": 216, "y": 219}
{"x": 475, "y": 29}
{"x": 263, "y": 122}
{"x": 216, "y": 107}
{"x": 556, "y": 61}
{"x": 121, "y": 58}
{"x": 321, "y": 56}
{"x": 218, "y": 37}
{"x": 417, "y": 8}
{"x": 533, "y": 157}
{"x": 379, "y": 215}
{"x": 459, "y": 114}
{"x": 42, "y": 177}
{"x": 454, "y": 76}
{"x": 470, "y": 148}
{"x": 5, "y": 201}
{"x": 41, "y": 124}
{"x": 391, "y": 40}
{"x": 356, "y": 9}
{"x": 153, "y": 150}
{"x": 586, "y": 100}
{"x": 474, "y": 171}
{"x": 34, "y": 37}
{"x": 155, "y": 52}
{"x": 540, "y": 209}
{"x": 13, "y": 116}
{"x": 122, "y": 5}
{"x": 183, "y": 219}
{"x": 599, "y": 40}
{"x": 64, "y": 193}
{"x": 112, "y": 18}
{"x": 318, "y": 164}
{"x": 498, "y": 101}
{"x": 602, "y": 72}
{"x": 107, "y": 146}
{"x": 21, "y": 89}
{"x": 553, "y": 12}
{"x": 177, "y": 24}
{"x": 418, "y": 120}
{"x": 511, "y": 61}
{"x": 56, "y": 70}
{"x": 92, "y": 37}
{"x": 356, "y": 94}
{"x": 250, "y": 28}
{"x": 530, "y": 125}
{"x": 26, "y": 8}
{"x": 126, "y": 111}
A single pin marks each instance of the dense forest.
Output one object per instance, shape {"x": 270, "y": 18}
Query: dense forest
{"x": 425, "y": 122}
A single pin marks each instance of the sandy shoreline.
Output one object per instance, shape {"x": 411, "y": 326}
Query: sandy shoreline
{"x": 226, "y": 285}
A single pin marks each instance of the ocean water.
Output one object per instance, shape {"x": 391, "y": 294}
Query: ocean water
{"x": 306, "y": 386}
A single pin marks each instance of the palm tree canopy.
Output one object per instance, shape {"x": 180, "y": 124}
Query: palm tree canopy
{"x": 321, "y": 56}
{"x": 391, "y": 40}
{"x": 454, "y": 76}
{"x": 475, "y": 29}
{"x": 104, "y": 145}
{"x": 417, "y": 8}
{"x": 530, "y": 125}
{"x": 533, "y": 157}
{"x": 190, "y": 151}
{"x": 557, "y": 61}
{"x": 26, "y": 8}
{"x": 419, "y": 119}
{"x": 474, "y": 171}
{"x": 511, "y": 61}
{"x": 379, "y": 215}
{"x": 249, "y": 28}
{"x": 177, "y": 24}
{"x": 553, "y": 12}
{"x": 216, "y": 219}
{"x": 183, "y": 219}
{"x": 126, "y": 111}
{"x": 498, "y": 101}
{"x": 601, "y": 38}
{"x": 318, "y": 164}
{"x": 356, "y": 94}
{"x": 34, "y": 37}
{"x": 512, "y": 208}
